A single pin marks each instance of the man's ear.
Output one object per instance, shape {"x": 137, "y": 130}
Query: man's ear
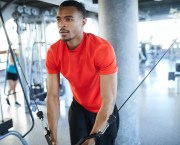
{"x": 84, "y": 20}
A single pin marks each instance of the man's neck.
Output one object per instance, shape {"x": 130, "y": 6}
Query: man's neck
{"x": 73, "y": 44}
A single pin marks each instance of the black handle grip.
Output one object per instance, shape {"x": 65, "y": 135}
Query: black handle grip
{"x": 48, "y": 139}
{"x": 47, "y": 136}
{"x": 83, "y": 139}
{"x": 111, "y": 120}
{"x": 80, "y": 141}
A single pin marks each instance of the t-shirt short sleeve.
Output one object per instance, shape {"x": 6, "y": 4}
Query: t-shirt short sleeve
{"x": 51, "y": 64}
{"x": 106, "y": 59}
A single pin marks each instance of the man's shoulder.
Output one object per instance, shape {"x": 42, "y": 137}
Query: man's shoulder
{"x": 96, "y": 39}
{"x": 56, "y": 44}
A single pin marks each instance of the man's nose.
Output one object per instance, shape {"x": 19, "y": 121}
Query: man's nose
{"x": 62, "y": 23}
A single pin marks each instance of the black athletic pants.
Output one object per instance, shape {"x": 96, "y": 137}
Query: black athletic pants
{"x": 81, "y": 122}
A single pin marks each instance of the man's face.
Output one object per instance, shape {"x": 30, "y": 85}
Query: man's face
{"x": 70, "y": 22}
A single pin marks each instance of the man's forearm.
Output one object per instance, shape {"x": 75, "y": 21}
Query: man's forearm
{"x": 108, "y": 91}
{"x": 103, "y": 116}
{"x": 53, "y": 109}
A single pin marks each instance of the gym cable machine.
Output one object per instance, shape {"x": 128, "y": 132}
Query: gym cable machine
{"x": 7, "y": 123}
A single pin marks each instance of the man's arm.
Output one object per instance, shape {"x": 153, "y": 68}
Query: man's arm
{"x": 108, "y": 90}
{"x": 53, "y": 105}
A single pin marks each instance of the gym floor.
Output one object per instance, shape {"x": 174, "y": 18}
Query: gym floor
{"x": 158, "y": 103}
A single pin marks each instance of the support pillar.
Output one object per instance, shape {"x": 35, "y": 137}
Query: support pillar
{"x": 118, "y": 24}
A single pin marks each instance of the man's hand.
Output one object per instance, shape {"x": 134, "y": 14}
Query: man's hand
{"x": 90, "y": 142}
{"x": 54, "y": 142}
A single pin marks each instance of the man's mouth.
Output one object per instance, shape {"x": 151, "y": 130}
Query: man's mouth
{"x": 63, "y": 31}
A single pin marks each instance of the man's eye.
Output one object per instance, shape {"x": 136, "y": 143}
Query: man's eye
{"x": 69, "y": 19}
{"x": 58, "y": 20}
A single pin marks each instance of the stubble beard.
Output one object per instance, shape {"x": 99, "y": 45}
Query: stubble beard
{"x": 66, "y": 39}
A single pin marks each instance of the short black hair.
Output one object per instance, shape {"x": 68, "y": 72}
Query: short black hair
{"x": 80, "y": 6}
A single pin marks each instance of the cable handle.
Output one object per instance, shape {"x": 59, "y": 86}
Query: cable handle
{"x": 94, "y": 135}
{"x": 111, "y": 120}
{"x": 47, "y": 136}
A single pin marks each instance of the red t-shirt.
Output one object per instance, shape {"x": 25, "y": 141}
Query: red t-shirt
{"x": 82, "y": 67}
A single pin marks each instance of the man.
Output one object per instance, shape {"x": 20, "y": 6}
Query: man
{"x": 89, "y": 64}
